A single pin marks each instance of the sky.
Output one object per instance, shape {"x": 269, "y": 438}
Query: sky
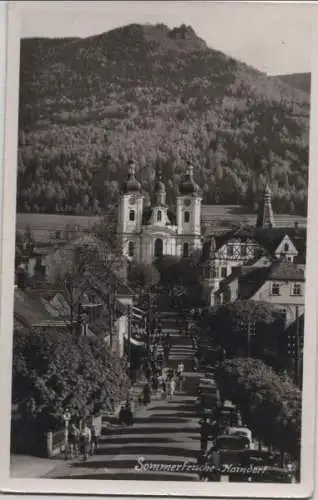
{"x": 272, "y": 37}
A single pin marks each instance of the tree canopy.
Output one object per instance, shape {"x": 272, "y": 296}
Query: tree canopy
{"x": 58, "y": 371}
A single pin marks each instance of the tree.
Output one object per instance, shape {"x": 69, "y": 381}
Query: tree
{"x": 142, "y": 277}
{"x": 264, "y": 396}
{"x": 247, "y": 327}
{"x": 80, "y": 268}
{"x": 54, "y": 371}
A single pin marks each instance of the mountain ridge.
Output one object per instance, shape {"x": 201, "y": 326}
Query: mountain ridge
{"x": 163, "y": 96}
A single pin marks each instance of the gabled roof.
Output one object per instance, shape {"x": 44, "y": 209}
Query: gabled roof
{"x": 267, "y": 238}
{"x": 250, "y": 282}
{"x": 30, "y": 310}
{"x": 279, "y": 271}
{"x": 286, "y": 271}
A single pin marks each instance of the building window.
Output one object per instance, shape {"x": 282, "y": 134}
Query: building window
{"x": 159, "y": 216}
{"x": 186, "y": 216}
{"x": 275, "y": 289}
{"x": 296, "y": 289}
{"x": 158, "y": 247}
{"x": 243, "y": 250}
{"x": 132, "y": 215}
{"x": 185, "y": 250}
{"x": 215, "y": 272}
{"x": 131, "y": 249}
{"x": 223, "y": 272}
{"x": 286, "y": 247}
{"x": 230, "y": 251}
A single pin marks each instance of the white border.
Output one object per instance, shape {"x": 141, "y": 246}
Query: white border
{"x": 138, "y": 488}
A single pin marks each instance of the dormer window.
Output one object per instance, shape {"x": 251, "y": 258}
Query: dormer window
{"x": 186, "y": 216}
{"x": 132, "y": 215}
{"x": 159, "y": 216}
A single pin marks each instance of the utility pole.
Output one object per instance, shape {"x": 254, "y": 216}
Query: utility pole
{"x": 297, "y": 350}
{"x": 129, "y": 336}
{"x": 149, "y": 322}
{"x": 111, "y": 307}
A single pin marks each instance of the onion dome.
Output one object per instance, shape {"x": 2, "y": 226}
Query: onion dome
{"x": 160, "y": 189}
{"x": 188, "y": 185}
{"x": 131, "y": 185}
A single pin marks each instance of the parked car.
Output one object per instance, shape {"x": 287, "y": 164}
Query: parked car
{"x": 206, "y": 404}
{"x": 241, "y": 431}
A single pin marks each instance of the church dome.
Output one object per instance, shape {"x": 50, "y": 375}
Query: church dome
{"x": 131, "y": 185}
{"x": 188, "y": 185}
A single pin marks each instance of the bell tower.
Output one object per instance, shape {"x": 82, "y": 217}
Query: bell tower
{"x": 189, "y": 213}
{"x": 130, "y": 213}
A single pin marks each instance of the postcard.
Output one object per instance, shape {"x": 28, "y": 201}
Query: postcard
{"x": 159, "y": 271}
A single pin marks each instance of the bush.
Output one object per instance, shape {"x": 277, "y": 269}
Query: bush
{"x": 270, "y": 403}
{"x": 53, "y": 371}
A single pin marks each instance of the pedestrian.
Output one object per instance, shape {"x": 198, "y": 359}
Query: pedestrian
{"x": 146, "y": 394}
{"x": 204, "y": 435}
{"x": 85, "y": 440}
{"x": 94, "y": 439}
{"x": 180, "y": 371}
{"x": 163, "y": 388}
{"x": 73, "y": 440}
{"x": 172, "y": 388}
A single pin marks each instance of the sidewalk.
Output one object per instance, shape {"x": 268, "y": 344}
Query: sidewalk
{"x": 25, "y": 466}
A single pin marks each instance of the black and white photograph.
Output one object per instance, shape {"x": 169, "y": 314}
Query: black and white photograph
{"x": 158, "y": 333}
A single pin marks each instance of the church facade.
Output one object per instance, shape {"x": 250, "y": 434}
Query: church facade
{"x": 149, "y": 232}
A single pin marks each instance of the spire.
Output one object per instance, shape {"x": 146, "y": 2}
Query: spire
{"x": 265, "y": 217}
{"x": 131, "y": 185}
{"x": 160, "y": 189}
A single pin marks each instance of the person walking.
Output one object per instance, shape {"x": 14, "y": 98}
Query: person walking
{"x": 172, "y": 388}
{"x": 94, "y": 439}
{"x": 85, "y": 440}
{"x": 73, "y": 441}
{"x": 204, "y": 435}
{"x": 180, "y": 371}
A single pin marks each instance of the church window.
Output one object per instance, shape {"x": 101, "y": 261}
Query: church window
{"x": 185, "y": 250}
{"x": 158, "y": 247}
{"x": 275, "y": 289}
{"x": 223, "y": 272}
{"x": 132, "y": 215}
{"x": 159, "y": 216}
{"x": 131, "y": 249}
{"x": 186, "y": 216}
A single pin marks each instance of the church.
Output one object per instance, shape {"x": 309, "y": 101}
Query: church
{"x": 149, "y": 232}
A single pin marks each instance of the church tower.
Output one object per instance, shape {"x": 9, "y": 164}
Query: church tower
{"x": 265, "y": 216}
{"x": 188, "y": 214}
{"x": 130, "y": 214}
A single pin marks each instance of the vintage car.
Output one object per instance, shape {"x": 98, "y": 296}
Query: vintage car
{"x": 206, "y": 404}
{"x": 226, "y": 452}
{"x": 240, "y": 431}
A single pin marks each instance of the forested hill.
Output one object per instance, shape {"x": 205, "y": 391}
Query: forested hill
{"x": 301, "y": 81}
{"x": 161, "y": 96}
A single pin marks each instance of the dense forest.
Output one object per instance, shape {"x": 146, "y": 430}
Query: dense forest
{"x": 300, "y": 81}
{"x": 159, "y": 96}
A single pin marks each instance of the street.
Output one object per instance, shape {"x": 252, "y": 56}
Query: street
{"x": 165, "y": 434}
